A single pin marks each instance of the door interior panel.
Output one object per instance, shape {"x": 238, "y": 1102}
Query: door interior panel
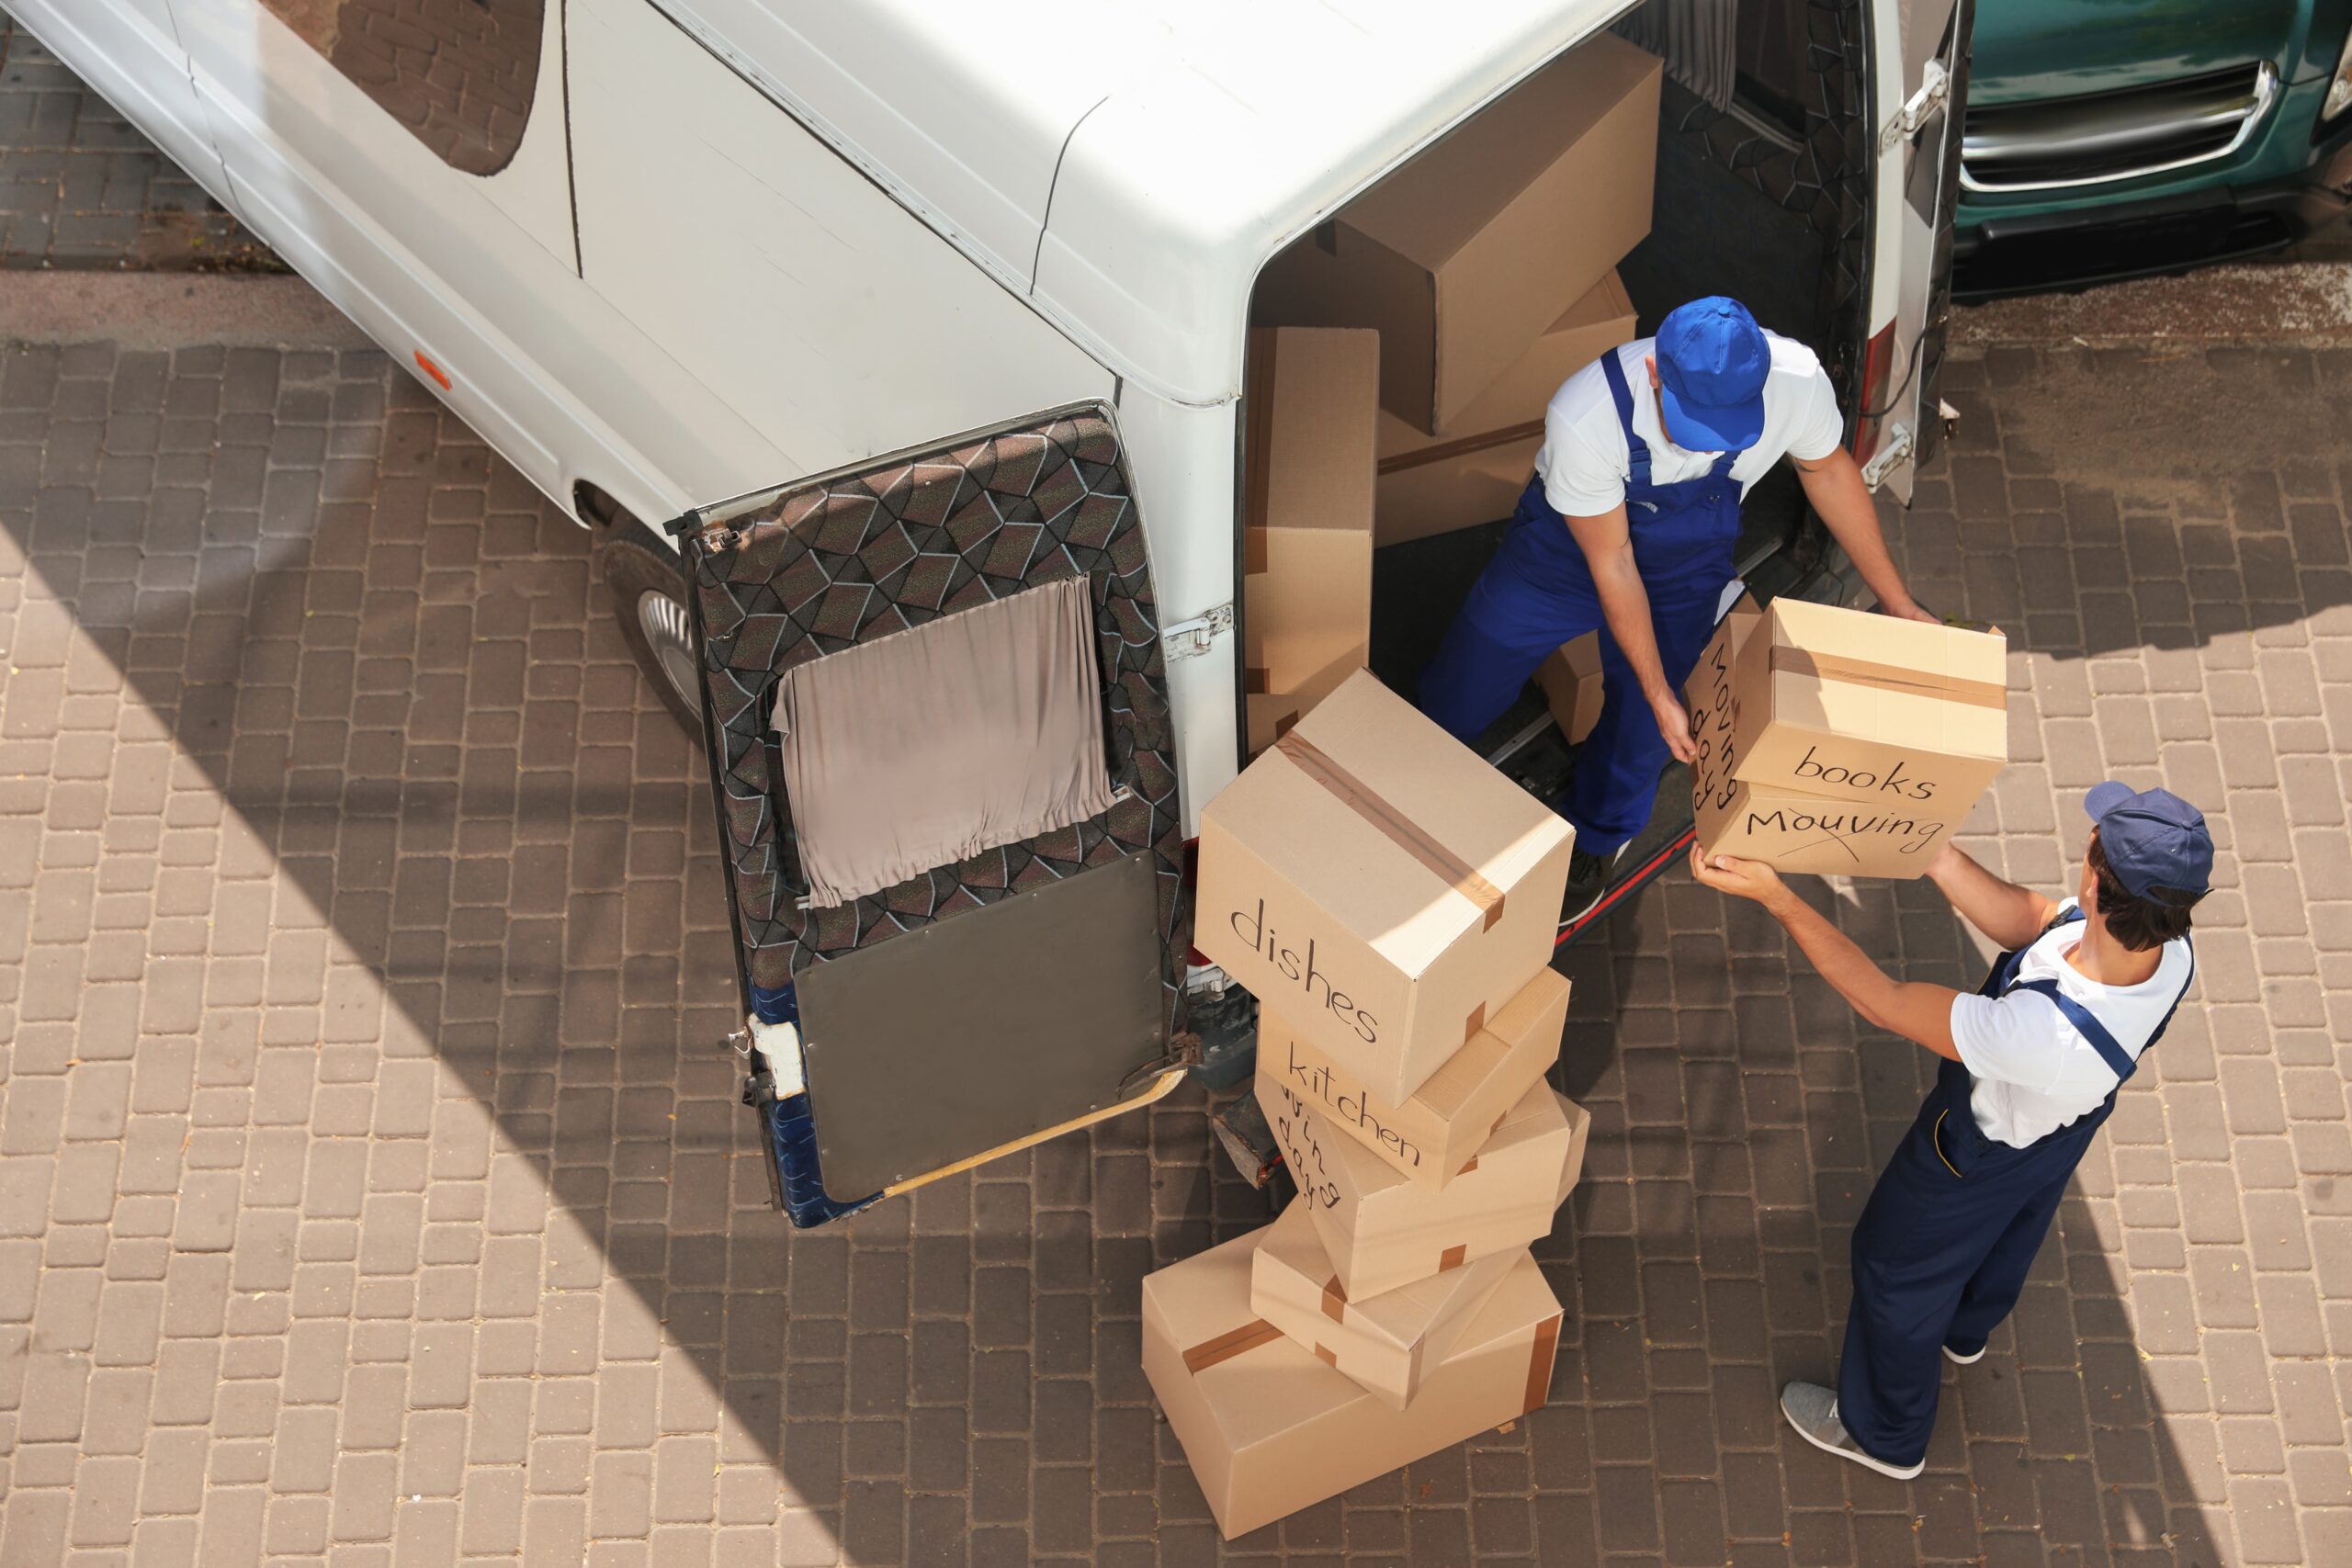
{"x": 977, "y": 980}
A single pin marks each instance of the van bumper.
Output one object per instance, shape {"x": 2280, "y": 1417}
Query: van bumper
{"x": 2075, "y": 249}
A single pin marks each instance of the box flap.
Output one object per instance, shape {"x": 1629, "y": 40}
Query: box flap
{"x": 1435, "y": 204}
{"x": 1932, "y": 688}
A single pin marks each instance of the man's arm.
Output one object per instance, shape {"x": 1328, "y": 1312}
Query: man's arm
{"x": 1917, "y": 1011}
{"x": 1608, "y": 545}
{"x": 1834, "y": 487}
{"x": 2010, "y": 915}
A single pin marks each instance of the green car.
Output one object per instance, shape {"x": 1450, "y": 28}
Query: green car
{"x": 2111, "y": 138}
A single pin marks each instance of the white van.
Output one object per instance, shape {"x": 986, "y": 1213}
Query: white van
{"x": 952, "y": 300}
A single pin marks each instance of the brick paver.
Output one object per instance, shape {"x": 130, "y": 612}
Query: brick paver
{"x": 372, "y": 1188}
{"x": 80, "y": 187}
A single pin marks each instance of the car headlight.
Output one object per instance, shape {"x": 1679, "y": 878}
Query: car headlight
{"x": 2339, "y": 88}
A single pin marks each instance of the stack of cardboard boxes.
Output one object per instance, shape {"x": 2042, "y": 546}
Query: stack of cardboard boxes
{"x": 1407, "y": 349}
{"x": 1837, "y": 741}
{"x": 1392, "y": 901}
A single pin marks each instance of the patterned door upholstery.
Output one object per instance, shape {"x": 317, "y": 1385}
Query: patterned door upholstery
{"x": 794, "y": 574}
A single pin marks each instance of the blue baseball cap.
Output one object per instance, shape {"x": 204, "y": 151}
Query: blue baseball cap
{"x": 1712, "y": 361}
{"x": 2153, "y": 838}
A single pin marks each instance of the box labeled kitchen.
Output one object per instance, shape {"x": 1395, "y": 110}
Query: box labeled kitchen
{"x": 1428, "y": 1138}
{"x": 1269, "y": 1427}
{"x": 1385, "y": 1342}
{"x": 1869, "y": 708}
{"x": 1383, "y": 1230}
{"x": 1379, "y": 886}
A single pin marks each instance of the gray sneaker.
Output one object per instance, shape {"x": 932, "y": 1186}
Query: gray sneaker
{"x": 1813, "y": 1411}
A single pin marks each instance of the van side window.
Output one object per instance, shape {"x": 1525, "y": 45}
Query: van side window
{"x": 459, "y": 74}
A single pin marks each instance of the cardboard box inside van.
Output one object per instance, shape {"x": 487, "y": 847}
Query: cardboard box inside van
{"x": 1470, "y": 251}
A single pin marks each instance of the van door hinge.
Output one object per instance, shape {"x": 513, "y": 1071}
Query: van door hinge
{"x": 1189, "y": 639}
{"x": 1892, "y": 454}
{"x": 1935, "y": 86}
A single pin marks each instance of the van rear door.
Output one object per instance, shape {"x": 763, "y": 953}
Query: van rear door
{"x": 1918, "y": 66}
{"x": 944, "y": 770}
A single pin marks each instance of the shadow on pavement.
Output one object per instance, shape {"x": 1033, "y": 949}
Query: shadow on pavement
{"x": 387, "y": 656}
{"x": 1741, "y": 1114}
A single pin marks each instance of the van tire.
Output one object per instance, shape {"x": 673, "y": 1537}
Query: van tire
{"x": 649, "y": 588}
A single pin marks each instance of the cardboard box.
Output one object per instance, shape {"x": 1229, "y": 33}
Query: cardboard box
{"x": 1894, "y": 713}
{"x": 1383, "y": 1343}
{"x": 1467, "y": 254}
{"x": 1429, "y": 486}
{"x": 1448, "y": 488}
{"x": 1428, "y": 1138}
{"x": 1307, "y": 539}
{"x": 1571, "y": 682}
{"x": 1824, "y": 835}
{"x": 1272, "y": 713}
{"x": 1380, "y": 887}
{"x": 1269, "y": 1428}
{"x": 1707, "y": 702}
{"x": 1384, "y": 1231}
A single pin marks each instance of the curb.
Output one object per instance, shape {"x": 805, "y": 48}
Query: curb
{"x": 2301, "y": 304}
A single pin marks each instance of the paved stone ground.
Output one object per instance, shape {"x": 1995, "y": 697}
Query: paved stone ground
{"x": 371, "y": 1189}
{"x": 79, "y": 188}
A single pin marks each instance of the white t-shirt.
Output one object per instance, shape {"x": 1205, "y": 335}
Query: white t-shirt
{"x": 1585, "y": 460}
{"x": 2034, "y": 1071}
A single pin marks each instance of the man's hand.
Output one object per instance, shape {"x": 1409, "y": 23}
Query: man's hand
{"x": 1920, "y": 1012}
{"x": 1740, "y": 878}
{"x": 1908, "y": 611}
{"x": 1674, "y": 725}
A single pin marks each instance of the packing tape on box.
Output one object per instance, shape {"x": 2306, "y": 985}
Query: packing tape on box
{"x": 1335, "y": 1299}
{"x": 1232, "y": 1343}
{"x": 1539, "y": 1364}
{"x": 1886, "y": 677}
{"x": 1258, "y": 1331}
{"x": 1406, "y": 834}
{"x": 1444, "y": 450}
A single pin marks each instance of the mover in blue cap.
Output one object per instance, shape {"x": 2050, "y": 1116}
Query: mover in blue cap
{"x": 2032, "y": 1061}
{"x": 1628, "y": 527}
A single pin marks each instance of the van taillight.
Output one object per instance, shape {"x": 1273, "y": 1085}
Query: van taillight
{"x": 1878, "y": 361}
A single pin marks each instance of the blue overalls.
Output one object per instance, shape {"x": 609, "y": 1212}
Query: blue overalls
{"x": 1538, "y": 592}
{"x": 1944, "y": 1244}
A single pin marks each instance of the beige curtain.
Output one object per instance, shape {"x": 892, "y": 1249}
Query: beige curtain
{"x": 929, "y": 746}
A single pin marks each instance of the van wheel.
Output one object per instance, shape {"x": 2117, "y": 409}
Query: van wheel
{"x": 649, "y": 601}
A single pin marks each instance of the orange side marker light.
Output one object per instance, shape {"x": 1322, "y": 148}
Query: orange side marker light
{"x": 440, "y": 377}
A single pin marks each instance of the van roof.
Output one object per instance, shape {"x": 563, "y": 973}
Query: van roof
{"x": 1128, "y": 165}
